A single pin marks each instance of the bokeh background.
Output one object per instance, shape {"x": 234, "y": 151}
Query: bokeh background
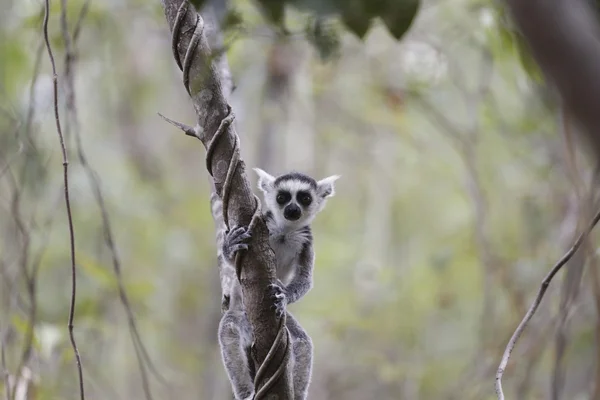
{"x": 460, "y": 188}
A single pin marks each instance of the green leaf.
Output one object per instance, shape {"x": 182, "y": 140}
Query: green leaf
{"x": 399, "y": 16}
{"x": 356, "y": 18}
{"x": 376, "y": 8}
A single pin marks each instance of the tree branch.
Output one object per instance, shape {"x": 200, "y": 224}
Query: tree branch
{"x": 218, "y": 134}
{"x": 67, "y": 201}
{"x": 538, "y": 299}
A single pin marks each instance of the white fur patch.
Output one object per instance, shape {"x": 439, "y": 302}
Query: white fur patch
{"x": 294, "y": 186}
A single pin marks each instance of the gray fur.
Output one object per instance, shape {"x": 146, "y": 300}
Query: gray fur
{"x": 231, "y": 290}
{"x": 235, "y": 341}
{"x": 292, "y": 242}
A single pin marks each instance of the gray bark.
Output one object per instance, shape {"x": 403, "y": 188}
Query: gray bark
{"x": 258, "y": 265}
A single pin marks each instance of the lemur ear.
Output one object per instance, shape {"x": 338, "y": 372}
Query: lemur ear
{"x": 325, "y": 186}
{"x": 265, "y": 181}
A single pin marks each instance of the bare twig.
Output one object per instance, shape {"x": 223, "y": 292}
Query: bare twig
{"x": 67, "y": 202}
{"x": 538, "y": 299}
{"x": 72, "y": 123}
{"x": 188, "y": 130}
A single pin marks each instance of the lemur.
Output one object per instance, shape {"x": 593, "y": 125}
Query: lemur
{"x": 291, "y": 202}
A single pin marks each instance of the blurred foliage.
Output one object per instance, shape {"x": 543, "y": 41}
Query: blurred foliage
{"x": 356, "y": 15}
{"x": 324, "y": 37}
{"x": 508, "y": 42}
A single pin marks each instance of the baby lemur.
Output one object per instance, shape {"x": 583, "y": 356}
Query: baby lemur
{"x": 291, "y": 202}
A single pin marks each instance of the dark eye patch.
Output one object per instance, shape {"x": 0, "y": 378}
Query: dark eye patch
{"x": 283, "y": 197}
{"x": 304, "y": 198}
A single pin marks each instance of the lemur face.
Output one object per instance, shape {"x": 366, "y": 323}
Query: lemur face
{"x": 295, "y": 198}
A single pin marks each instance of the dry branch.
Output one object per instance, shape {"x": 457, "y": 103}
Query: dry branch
{"x": 218, "y": 134}
{"x": 564, "y": 38}
{"x": 538, "y": 299}
{"x": 67, "y": 201}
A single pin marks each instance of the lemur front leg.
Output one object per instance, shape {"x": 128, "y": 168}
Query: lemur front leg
{"x": 302, "y": 281}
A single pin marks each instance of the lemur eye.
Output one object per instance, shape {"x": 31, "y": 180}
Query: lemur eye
{"x": 304, "y": 198}
{"x": 283, "y": 197}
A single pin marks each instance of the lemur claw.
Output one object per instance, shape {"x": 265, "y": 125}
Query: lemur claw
{"x": 279, "y": 299}
{"x": 235, "y": 240}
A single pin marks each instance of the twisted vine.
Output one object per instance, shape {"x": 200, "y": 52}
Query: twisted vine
{"x": 234, "y": 162}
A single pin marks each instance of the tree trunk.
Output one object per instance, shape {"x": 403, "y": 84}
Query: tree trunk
{"x": 258, "y": 263}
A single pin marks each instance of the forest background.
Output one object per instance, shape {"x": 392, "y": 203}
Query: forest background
{"x": 461, "y": 186}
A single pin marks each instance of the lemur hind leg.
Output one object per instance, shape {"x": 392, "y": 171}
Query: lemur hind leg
{"x": 235, "y": 339}
{"x": 302, "y": 356}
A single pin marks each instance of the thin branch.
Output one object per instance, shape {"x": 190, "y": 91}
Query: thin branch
{"x": 188, "y": 130}
{"x": 67, "y": 202}
{"x": 72, "y": 123}
{"x": 538, "y": 299}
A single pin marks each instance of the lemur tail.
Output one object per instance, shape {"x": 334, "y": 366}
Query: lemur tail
{"x": 231, "y": 289}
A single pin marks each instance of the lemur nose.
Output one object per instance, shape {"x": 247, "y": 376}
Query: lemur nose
{"x": 292, "y": 212}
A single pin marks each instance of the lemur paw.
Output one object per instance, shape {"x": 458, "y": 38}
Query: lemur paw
{"x": 248, "y": 395}
{"x": 279, "y": 298}
{"x": 235, "y": 240}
